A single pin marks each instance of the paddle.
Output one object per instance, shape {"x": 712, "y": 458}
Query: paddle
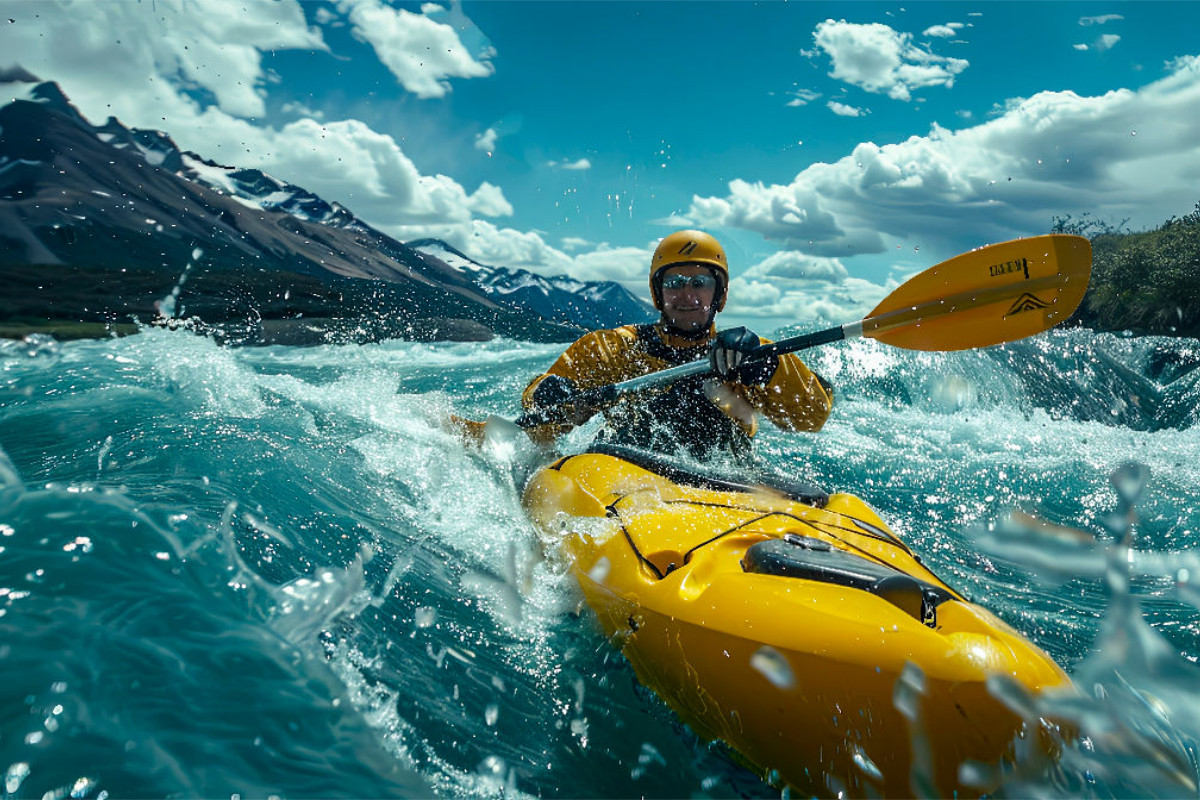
{"x": 995, "y": 294}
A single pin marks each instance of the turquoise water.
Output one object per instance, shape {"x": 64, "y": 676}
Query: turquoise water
{"x": 272, "y": 572}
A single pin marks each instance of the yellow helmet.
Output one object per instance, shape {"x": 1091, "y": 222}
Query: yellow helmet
{"x": 689, "y": 247}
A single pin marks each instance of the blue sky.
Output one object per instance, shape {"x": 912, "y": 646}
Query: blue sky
{"x": 834, "y": 147}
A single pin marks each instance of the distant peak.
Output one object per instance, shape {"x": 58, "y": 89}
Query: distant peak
{"x": 15, "y": 73}
{"x": 417, "y": 244}
{"x": 52, "y": 94}
{"x": 45, "y": 93}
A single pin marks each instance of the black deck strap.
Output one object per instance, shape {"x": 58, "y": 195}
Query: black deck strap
{"x": 677, "y": 472}
{"x": 808, "y": 558}
{"x": 614, "y": 513}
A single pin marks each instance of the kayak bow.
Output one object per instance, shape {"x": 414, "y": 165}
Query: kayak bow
{"x": 790, "y": 624}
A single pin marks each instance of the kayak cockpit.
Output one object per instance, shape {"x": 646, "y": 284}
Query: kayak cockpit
{"x": 809, "y": 558}
{"x": 680, "y": 472}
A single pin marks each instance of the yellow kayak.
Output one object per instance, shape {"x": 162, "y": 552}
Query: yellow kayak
{"x": 791, "y": 624}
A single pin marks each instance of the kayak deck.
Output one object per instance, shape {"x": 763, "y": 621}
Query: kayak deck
{"x": 780, "y": 620}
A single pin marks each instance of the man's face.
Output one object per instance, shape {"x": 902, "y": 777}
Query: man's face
{"x": 685, "y": 304}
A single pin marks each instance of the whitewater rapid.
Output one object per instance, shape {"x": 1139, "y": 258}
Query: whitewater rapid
{"x": 276, "y": 571}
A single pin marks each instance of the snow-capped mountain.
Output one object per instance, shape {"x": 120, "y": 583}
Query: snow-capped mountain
{"x": 592, "y": 304}
{"x": 98, "y": 222}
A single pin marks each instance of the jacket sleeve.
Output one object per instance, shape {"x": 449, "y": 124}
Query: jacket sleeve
{"x": 596, "y": 359}
{"x": 795, "y": 399}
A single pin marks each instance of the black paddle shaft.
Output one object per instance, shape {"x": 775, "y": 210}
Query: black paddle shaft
{"x": 604, "y": 396}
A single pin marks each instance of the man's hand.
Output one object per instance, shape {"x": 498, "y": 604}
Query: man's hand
{"x": 728, "y": 357}
{"x": 557, "y": 398}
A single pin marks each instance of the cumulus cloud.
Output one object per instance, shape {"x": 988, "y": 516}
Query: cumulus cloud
{"x": 843, "y": 110}
{"x": 1106, "y": 42}
{"x": 811, "y": 306}
{"x": 421, "y": 52}
{"x": 195, "y": 70}
{"x": 1124, "y": 154}
{"x": 802, "y": 97}
{"x": 490, "y": 244}
{"x": 1100, "y": 20}
{"x": 195, "y": 47}
{"x": 881, "y": 60}
{"x": 674, "y": 221}
{"x": 794, "y": 287}
{"x": 574, "y": 166}
{"x": 791, "y": 265}
{"x": 947, "y": 31}
{"x": 486, "y": 141}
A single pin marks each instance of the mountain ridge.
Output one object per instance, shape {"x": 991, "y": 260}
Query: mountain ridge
{"x": 116, "y": 206}
{"x": 591, "y": 304}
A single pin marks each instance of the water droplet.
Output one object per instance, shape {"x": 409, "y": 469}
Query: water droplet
{"x": 774, "y": 667}
{"x": 16, "y": 775}
{"x": 493, "y": 766}
{"x": 599, "y": 570}
{"x": 83, "y": 787}
{"x": 1129, "y": 481}
{"x": 425, "y": 616}
{"x": 491, "y": 714}
{"x": 867, "y": 765}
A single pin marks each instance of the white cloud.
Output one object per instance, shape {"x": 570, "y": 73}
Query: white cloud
{"x": 813, "y": 306}
{"x": 486, "y": 141}
{"x": 676, "y": 221}
{"x": 1100, "y": 20}
{"x": 843, "y": 110}
{"x": 192, "y": 46}
{"x": 347, "y": 161}
{"x": 882, "y": 60}
{"x": 947, "y": 31}
{"x": 164, "y": 61}
{"x": 488, "y": 200}
{"x": 574, "y": 166}
{"x": 420, "y": 52}
{"x": 326, "y": 17}
{"x": 1106, "y": 42}
{"x": 799, "y": 288}
{"x": 1051, "y": 153}
{"x": 301, "y": 110}
{"x": 791, "y": 265}
{"x": 802, "y": 97}
{"x": 490, "y": 244}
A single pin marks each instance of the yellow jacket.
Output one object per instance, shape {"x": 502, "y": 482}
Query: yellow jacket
{"x": 701, "y": 415}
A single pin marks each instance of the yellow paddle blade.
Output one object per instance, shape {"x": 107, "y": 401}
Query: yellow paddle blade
{"x": 995, "y": 294}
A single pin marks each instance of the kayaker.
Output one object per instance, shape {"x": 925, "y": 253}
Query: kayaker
{"x": 698, "y": 416}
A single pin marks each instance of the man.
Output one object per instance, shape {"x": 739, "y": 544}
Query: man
{"x": 701, "y": 416}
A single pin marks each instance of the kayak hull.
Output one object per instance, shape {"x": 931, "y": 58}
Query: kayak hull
{"x": 801, "y": 632}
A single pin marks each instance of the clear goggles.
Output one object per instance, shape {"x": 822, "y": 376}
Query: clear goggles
{"x": 677, "y": 282}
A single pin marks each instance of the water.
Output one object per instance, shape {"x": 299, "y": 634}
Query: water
{"x": 273, "y": 572}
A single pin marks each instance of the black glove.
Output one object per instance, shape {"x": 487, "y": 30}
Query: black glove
{"x": 554, "y": 391}
{"x": 559, "y": 399}
{"x": 728, "y": 357}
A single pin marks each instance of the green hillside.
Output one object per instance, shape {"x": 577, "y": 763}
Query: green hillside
{"x": 1147, "y": 282}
